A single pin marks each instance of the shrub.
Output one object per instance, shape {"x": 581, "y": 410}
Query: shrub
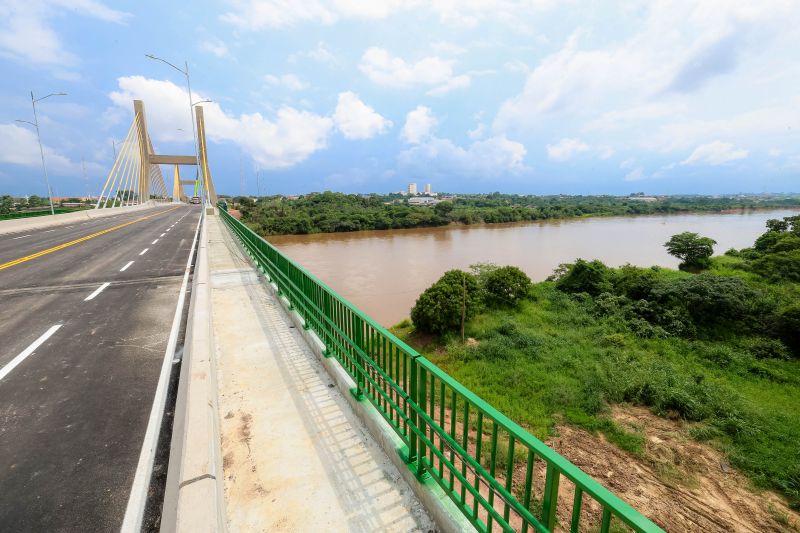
{"x": 709, "y": 299}
{"x": 789, "y": 327}
{"x": 591, "y": 277}
{"x": 635, "y": 283}
{"x": 764, "y": 348}
{"x": 506, "y": 286}
{"x": 779, "y": 266}
{"x": 439, "y": 309}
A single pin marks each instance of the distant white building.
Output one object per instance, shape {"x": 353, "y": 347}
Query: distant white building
{"x": 422, "y": 200}
{"x": 427, "y": 188}
{"x": 412, "y": 188}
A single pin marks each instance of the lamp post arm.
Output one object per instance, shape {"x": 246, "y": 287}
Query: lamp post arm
{"x": 41, "y": 152}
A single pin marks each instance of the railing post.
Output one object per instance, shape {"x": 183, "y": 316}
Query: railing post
{"x": 550, "y": 502}
{"x": 413, "y": 452}
{"x": 421, "y": 401}
{"x": 357, "y": 330}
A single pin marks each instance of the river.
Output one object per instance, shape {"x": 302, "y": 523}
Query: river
{"x": 383, "y": 272}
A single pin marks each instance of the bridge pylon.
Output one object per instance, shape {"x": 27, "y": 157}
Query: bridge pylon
{"x": 136, "y": 175}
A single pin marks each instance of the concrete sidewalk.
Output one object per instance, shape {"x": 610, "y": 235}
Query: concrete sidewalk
{"x": 295, "y": 457}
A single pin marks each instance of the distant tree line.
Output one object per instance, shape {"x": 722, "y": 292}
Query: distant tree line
{"x": 330, "y": 212}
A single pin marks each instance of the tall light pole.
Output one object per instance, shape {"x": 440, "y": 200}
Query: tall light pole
{"x": 191, "y": 108}
{"x": 35, "y": 124}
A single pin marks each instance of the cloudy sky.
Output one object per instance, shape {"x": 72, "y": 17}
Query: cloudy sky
{"x": 532, "y": 96}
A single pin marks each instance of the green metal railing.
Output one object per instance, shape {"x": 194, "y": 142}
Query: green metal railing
{"x": 496, "y": 473}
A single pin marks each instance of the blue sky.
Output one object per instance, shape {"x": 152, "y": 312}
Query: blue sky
{"x": 533, "y": 96}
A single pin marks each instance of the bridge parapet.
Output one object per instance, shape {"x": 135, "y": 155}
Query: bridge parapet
{"x": 494, "y": 472}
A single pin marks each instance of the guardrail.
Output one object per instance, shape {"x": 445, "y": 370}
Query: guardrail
{"x": 496, "y": 473}
{"x": 27, "y": 214}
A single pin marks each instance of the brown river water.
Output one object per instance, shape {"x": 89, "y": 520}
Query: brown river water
{"x": 383, "y": 272}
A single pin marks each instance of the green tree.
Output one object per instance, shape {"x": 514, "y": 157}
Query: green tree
{"x": 443, "y": 305}
{"x": 693, "y": 250}
{"x": 774, "y": 224}
{"x": 35, "y": 201}
{"x": 592, "y": 277}
{"x": 6, "y": 204}
{"x": 506, "y": 286}
{"x": 443, "y": 209}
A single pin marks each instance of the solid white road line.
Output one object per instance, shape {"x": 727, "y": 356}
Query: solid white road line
{"x": 123, "y": 269}
{"x": 144, "y": 251}
{"x": 97, "y": 291}
{"x": 155, "y": 241}
{"x": 27, "y": 351}
{"x": 21, "y": 237}
{"x": 134, "y": 513}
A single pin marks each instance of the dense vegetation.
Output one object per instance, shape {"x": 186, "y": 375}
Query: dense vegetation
{"x": 332, "y": 212}
{"x": 10, "y": 205}
{"x": 719, "y": 349}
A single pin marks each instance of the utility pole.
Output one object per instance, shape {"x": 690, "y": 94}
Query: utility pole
{"x": 35, "y": 124}
{"x": 86, "y": 179}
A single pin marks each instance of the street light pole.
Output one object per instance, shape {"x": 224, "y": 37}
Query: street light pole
{"x": 35, "y": 124}
{"x": 191, "y": 112}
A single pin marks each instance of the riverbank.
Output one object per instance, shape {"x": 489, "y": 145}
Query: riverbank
{"x": 340, "y": 213}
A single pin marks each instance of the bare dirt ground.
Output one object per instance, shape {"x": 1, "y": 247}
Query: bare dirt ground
{"x": 680, "y": 484}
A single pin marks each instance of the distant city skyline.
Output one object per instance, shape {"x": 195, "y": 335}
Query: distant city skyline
{"x": 530, "y": 97}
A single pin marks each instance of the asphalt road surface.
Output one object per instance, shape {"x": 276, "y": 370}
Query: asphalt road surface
{"x": 83, "y": 333}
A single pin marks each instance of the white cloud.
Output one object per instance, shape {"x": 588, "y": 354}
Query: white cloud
{"x": 457, "y": 82}
{"x": 213, "y": 46}
{"x": 681, "y": 47}
{"x": 516, "y": 66}
{"x": 493, "y": 157}
{"x": 286, "y": 81}
{"x": 714, "y": 153}
{"x": 477, "y": 132}
{"x": 288, "y": 138}
{"x": 445, "y": 47}
{"x": 261, "y": 14}
{"x": 565, "y": 149}
{"x": 637, "y": 174}
{"x": 419, "y": 124}
{"x": 320, "y": 54}
{"x": 26, "y": 34}
{"x": 18, "y": 146}
{"x": 357, "y": 120}
{"x": 383, "y": 69}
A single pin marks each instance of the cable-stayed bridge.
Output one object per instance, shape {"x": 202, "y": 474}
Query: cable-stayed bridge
{"x": 165, "y": 368}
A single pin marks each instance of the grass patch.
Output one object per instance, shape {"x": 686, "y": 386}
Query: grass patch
{"x": 552, "y": 358}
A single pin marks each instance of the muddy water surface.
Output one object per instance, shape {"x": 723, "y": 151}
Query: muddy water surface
{"x": 383, "y": 272}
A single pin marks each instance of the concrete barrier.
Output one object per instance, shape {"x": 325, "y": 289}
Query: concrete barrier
{"x": 34, "y": 223}
{"x": 194, "y": 500}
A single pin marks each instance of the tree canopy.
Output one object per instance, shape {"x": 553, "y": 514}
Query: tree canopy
{"x": 693, "y": 250}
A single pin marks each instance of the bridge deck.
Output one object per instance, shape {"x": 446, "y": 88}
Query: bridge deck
{"x": 295, "y": 457}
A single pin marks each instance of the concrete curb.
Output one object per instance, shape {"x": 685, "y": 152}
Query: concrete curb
{"x": 194, "y": 499}
{"x": 34, "y": 223}
{"x": 439, "y": 506}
